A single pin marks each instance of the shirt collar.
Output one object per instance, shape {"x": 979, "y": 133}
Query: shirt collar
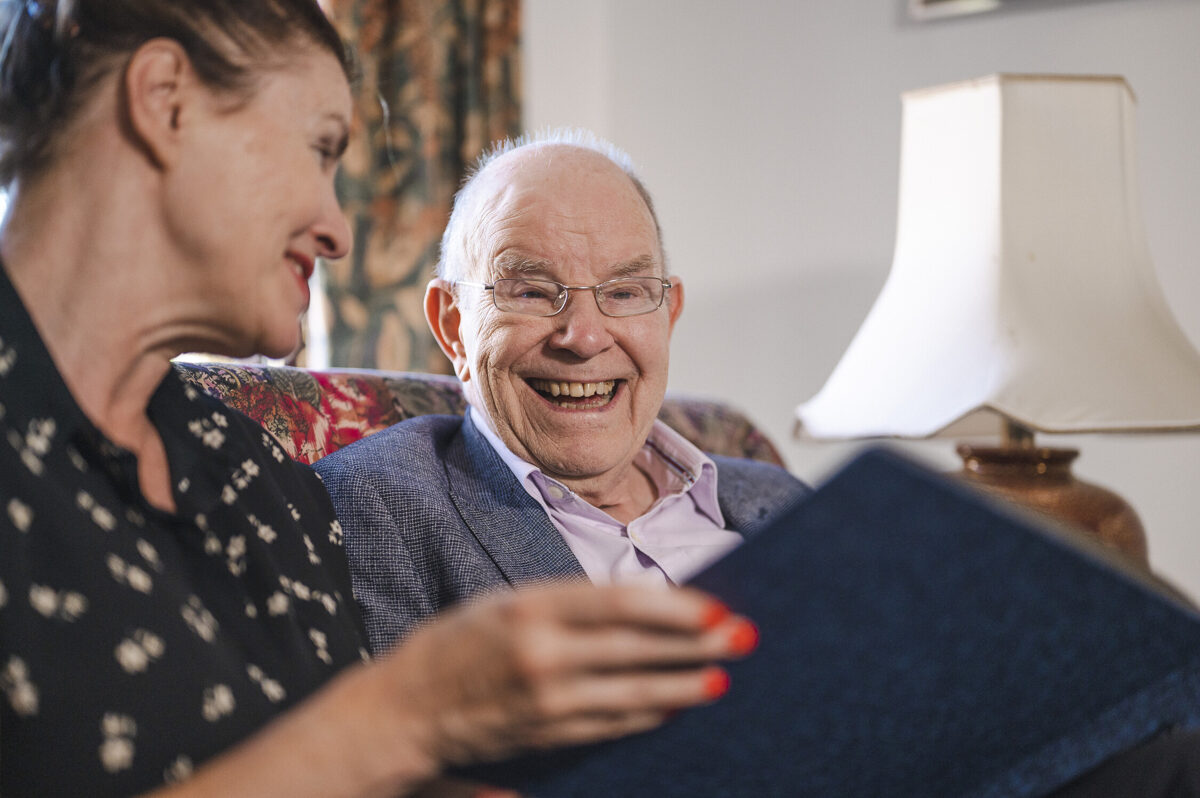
{"x": 666, "y": 454}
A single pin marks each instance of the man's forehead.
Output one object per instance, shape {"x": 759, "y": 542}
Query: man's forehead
{"x": 544, "y": 175}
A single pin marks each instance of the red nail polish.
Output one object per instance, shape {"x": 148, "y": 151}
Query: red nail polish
{"x": 744, "y": 638}
{"x": 714, "y": 613}
{"x": 716, "y": 684}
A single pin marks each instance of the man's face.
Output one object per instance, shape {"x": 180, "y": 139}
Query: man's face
{"x": 569, "y": 215}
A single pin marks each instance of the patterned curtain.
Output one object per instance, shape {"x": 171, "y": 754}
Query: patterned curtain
{"x": 440, "y": 81}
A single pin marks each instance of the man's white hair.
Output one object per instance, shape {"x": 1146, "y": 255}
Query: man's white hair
{"x": 458, "y": 255}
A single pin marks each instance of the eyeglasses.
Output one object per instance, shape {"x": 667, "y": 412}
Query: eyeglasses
{"x": 625, "y": 296}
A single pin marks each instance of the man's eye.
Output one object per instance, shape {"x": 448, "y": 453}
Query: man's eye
{"x": 530, "y": 292}
{"x": 625, "y": 293}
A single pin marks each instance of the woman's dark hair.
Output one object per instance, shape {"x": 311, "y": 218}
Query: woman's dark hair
{"x": 54, "y": 51}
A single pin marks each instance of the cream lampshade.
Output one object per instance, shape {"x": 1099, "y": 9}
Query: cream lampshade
{"x": 1021, "y": 297}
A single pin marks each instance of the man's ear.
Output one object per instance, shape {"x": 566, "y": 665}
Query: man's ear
{"x": 675, "y": 300}
{"x": 157, "y": 81}
{"x": 445, "y": 320}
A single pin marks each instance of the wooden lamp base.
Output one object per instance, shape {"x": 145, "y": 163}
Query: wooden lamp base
{"x": 1040, "y": 478}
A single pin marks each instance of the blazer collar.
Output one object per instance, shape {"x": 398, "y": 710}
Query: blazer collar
{"x": 510, "y": 525}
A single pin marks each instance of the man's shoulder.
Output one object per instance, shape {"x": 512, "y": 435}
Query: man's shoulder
{"x": 754, "y": 476}
{"x": 751, "y": 492}
{"x": 743, "y": 465}
{"x": 406, "y": 443}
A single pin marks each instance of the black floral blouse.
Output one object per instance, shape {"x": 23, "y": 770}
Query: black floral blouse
{"x": 134, "y": 644}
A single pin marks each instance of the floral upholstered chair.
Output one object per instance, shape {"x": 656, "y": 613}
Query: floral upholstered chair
{"x": 313, "y": 413}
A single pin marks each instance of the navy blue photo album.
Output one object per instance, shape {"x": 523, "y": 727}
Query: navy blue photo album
{"x": 917, "y": 638}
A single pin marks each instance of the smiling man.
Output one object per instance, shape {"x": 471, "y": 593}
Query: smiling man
{"x": 553, "y": 303}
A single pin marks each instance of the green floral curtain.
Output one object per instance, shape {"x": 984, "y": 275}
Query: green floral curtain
{"x": 440, "y": 81}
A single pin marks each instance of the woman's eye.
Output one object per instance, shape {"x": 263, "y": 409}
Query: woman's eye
{"x": 326, "y": 155}
{"x": 329, "y": 150}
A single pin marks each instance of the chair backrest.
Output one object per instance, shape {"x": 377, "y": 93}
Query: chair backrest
{"x": 315, "y": 412}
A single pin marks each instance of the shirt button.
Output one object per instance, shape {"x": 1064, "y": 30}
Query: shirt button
{"x": 555, "y": 492}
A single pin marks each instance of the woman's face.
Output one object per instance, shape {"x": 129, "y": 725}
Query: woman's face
{"x": 251, "y": 203}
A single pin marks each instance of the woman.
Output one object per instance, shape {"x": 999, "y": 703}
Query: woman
{"x": 174, "y": 604}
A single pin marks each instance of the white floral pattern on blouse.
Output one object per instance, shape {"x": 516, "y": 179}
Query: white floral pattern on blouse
{"x": 134, "y": 644}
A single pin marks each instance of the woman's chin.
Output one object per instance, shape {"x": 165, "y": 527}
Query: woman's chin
{"x": 283, "y": 343}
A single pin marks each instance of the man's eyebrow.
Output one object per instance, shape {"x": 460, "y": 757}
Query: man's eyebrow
{"x": 637, "y": 266}
{"x": 517, "y": 263}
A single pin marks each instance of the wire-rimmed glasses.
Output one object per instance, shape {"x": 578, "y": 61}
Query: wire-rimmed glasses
{"x": 624, "y": 296}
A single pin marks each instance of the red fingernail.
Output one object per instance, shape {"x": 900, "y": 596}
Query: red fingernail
{"x": 744, "y": 638}
{"x": 716, "y": 684}
{"x": 714, "y": 613}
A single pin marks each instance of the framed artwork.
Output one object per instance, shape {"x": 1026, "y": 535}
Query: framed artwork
{"x": 935, "y": 9}
{"x": 931, "y": 9}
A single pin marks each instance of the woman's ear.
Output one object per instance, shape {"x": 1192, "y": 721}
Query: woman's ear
{"x": 445, "y": 321}
{"x": 158, "y": 80}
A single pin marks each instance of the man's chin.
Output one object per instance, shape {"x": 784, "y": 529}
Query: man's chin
{"x": 577, "y": 458}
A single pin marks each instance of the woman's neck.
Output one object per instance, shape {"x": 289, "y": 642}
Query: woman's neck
{"x": 79, "y": 273}
{"x": 73, "y": 279}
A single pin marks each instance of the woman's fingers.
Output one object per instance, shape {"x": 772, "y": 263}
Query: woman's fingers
{"x": 566, "y": 665}
{"x": 621, "y": 647}
{"x": 584, "y": 627}
{"x": 580, "y": 729}
{"x": 616, "y": 693}
{"x": 681, "y": 609}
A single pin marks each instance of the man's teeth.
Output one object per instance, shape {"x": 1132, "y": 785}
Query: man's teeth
{"x": 575, "y": 390}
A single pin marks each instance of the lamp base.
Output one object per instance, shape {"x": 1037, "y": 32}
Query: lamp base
{"x": 1041, "y": 479}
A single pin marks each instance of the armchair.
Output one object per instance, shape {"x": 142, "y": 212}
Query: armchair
{"x": 315, "y": 412}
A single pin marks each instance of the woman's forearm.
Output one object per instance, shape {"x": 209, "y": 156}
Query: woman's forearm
{"x": 345, "y": 741}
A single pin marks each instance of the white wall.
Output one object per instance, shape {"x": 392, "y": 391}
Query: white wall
{"x": 768, "y": 131}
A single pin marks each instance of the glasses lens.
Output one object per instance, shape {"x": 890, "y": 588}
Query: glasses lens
{"x": 533, "y": 297}
{"x": 631, "y": 296}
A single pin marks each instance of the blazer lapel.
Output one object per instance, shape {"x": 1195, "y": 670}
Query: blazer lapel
{"x": 510, "y": 525}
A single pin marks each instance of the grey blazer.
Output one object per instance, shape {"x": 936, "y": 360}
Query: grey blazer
{"x": 433, "y": 516}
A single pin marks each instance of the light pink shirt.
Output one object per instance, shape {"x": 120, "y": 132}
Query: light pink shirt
{"x": 681, "y": 533}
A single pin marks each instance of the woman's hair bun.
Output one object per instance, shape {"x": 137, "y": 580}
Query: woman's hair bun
{"x": 35, "y": 78}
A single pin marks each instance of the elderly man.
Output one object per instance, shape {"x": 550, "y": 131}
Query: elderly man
{"x": 553, "y": 304}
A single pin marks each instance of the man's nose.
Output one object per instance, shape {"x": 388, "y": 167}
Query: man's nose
{"x": 580, "y": 327}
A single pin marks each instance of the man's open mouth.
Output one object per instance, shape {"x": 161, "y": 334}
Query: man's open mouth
{"x": 576, "y": 395}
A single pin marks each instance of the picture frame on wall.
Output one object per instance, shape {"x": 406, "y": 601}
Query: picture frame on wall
{"x": 935, "y": 9}
{"x": 932, "y": 9}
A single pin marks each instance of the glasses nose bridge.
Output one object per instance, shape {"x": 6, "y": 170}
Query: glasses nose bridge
{"x": 565, "y": 295}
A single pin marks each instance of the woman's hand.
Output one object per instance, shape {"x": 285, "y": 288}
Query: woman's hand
{"x": 560, "y": 665}
{"x": 513, "y": 672}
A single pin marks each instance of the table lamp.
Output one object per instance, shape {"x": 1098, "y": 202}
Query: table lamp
{"x": 1021, "y": 297}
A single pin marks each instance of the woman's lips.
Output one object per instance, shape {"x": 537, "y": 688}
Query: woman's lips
{"x": 302, "y": 270}
{"x": 302, "y": 264}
